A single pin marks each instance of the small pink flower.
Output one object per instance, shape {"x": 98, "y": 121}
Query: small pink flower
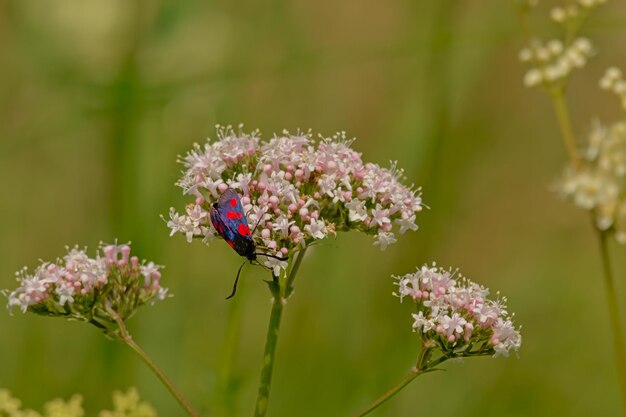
{"x": 461, "y": 312}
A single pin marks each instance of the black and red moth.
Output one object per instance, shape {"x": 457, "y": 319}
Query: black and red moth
{"x": 229, "y": 220}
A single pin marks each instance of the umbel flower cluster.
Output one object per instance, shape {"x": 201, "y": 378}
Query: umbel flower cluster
{"x": 599, "y": 183}
{"x": 97, "y": 290}
{"x": 296, "y": 189}
{"x": 455, "y": 315}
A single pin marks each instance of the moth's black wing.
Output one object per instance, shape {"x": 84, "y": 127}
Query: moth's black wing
{"x": 227, "y": 197}
{"x": 231, "y": 223}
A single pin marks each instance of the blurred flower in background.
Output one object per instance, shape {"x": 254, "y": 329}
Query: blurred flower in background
{"x": 126, "y": 404}
{"x": 598, "y": 184}
{"x": 552, "y": 62}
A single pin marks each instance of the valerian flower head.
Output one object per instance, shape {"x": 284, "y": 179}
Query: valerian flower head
{"x": 100, "y": 290}
{"x": 456, "y": 316}
{"x": 599, "y": 183}
{"x": 297, "y": 189}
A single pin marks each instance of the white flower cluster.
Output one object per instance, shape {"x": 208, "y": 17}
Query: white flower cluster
{"x": 456, "y": 314}
{"x": 614, "y": 82}
{"x": 79, "y": 287}
{"x": 298, "y": 190}
{"x": 573, "y": 11}
{"x": 553, "y": 62}
{"x": 599, "y": 184}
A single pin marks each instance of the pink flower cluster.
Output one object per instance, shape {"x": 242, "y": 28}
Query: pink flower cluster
{"x": 456, "y": 314}
{"x": 299, "y": 189}
{"x": 85, "y": 288}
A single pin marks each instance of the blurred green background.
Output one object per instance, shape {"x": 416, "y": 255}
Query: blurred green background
{"x": 97, "y": 98}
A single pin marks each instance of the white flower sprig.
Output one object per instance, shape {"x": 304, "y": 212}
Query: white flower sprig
{"x": 100, "y": 290}
{"x": 614, "y": 82}
{"x": 552, "y": 62}
{"x": 455, "y": 316}
{"x": 299, "y": 189}
{"x": 574, "y": 13}
{"x": 599, "y": 183}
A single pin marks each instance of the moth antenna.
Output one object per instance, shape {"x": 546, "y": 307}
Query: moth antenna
{"x": 280, "y": 258}
{"x": 265, "y": 254}
{"x": 258, "y": 222}
{"x": 232, "y": 294}
{"x": 261, "y": 265}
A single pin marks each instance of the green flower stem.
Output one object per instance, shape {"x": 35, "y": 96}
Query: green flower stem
{"x": 391, "y": 392}
{"x": 126, "y": 338}
{"x": 422, "y": 367}
{"x": 616, "y": 326}
{"x": 269, "y": 358}
{"x": 280, "y": 291}
{"x": 562, "y": 115}
{"x": 292, "y": 273}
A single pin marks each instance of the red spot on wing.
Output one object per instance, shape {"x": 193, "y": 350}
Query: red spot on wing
{"x": 233, "y": 202}
{"x": 230, "y": 242}
{"x": 231, "y": 215}
{"x": 243, "y": 230}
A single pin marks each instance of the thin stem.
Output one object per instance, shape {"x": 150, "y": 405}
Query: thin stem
{"x": 390, "y": 392}
{"x": 522, "y": 13}
{"x": 616, "y": 326}
{"x": 128, "y": 340}
{"x": 280, "y": 290}
{"x": 562, "y": 115}
{"x": 423, "y": 366}
{"x": 164, "y": 379}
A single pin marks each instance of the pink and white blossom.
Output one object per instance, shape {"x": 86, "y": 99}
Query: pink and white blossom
{"x": 457, "y": 315}
{"x": 89, "y": 289}
{"x": 297, "y": 189}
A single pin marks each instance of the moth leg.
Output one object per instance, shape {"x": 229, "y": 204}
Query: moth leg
{"x": 232, "y": 294}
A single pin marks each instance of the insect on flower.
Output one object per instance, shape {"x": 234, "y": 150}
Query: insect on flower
{"x": 230, "y": 222}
